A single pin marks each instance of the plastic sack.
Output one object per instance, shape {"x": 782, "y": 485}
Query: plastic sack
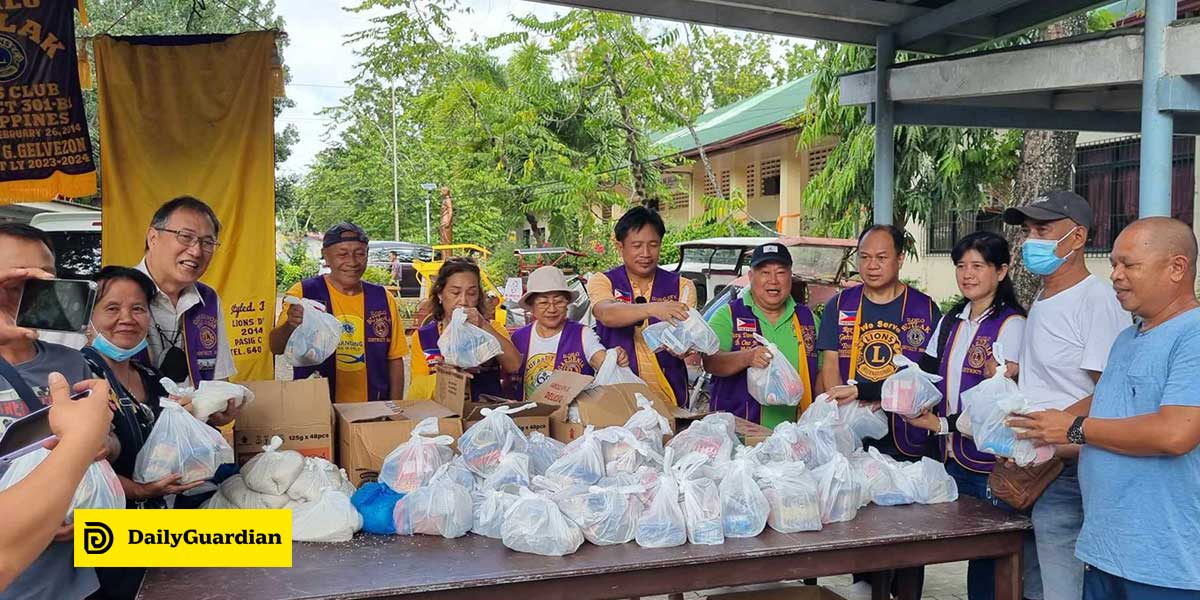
{"x": 317, "y": 476}
{"x": 692, "y": 333}
{"x": 744, "y": 508}
{"x": 987, "y": 406}
{"x": 466, "y": 346}
{"x": 441, "y": 508}
{"x": 542, "y": 451}
{"x": 331, "y": 519}
{"x": 646, "y": 478}
{"x": 457, "y": 471}
{"x": 793, "y": 496}
{"x": 510, "y": 474}
{"x": 605, "y": 515}
{"x": 778, "y": 384}
{"x": 179, "y": 444}
{"x": 909, "y": 391}
{"x": 99, "y": 487}
{"x": 534, "y": 524}
{"x": 612, "y": 373}
{"x": 240, "y": 495}
{"x": 218, "y": 501}
{"x": 864, "y": 422}
{"x": 582, "y": 462}
{"x": 663, "y": 524}
{"x": 809, "y": 443}
{"x": 377, "y": 504}
{"x": 871, "y": 472}
{"x": 648, "y": 425}
{"x": 713, "y": 436}
{"x": 481, "y": 445}
{"x": 701, "y": 501}
{"x": 210, "y": 398}
{"x": 891, "y": 488}
{"x": 931, "y": 484}
{"x": 273, "y": 472}
{"x": 623, "y": 452}
{"x": 840, "y": 490}
{"x": 317, "y": 337}
{"x": 825, "y": 414}
{"x": 411, "y": 464}
{"x": 489, "y": 509}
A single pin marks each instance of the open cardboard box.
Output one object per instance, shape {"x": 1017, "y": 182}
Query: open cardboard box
{"x": 529, "y": 420}
{"x": 600, "y": 407}
{"x": 297, "y": 411}
{"x": 369, "y": 431}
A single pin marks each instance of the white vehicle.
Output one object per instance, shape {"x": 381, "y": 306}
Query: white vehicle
{"x": 76, "y": 237}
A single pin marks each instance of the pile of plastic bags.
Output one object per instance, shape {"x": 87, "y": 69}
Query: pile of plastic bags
{"x": 317, "y": 492}
{"x": 466, "y": 346}
{"x": 317, "y": 337}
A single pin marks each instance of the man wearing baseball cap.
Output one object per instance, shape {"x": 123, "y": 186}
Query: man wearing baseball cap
{"x": 766, "y": 308}
{"x": 1072, "y": 324}
{"x": 369, "y": 362}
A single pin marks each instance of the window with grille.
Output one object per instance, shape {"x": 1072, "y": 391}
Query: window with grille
{"x": 817, "y": 159}
{"x": 679, "y": 199}
{"x": 770, "y": 177}
{"x": 751, "y": 180}
{"x": 710, "y": 191}
{"x": 948, "y": 225}
{"x": 725, "y": 184}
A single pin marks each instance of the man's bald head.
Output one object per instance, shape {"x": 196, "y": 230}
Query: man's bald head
{"x": 1154, "y": 265}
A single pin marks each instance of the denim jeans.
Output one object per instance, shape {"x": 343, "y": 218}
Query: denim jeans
{"x": 1098, "y": 585}
{"x": 1057, "y": 518}
{"x": 981, "y": 578}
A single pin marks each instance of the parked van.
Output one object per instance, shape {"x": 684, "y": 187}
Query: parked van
{"x": 76, "y": 237}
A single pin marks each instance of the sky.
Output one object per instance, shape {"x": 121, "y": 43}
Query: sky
{"x": 321, "y": 61}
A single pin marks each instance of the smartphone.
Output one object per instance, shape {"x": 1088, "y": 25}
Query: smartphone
{"x": 28, "y": 433}
{"x": 57, "y": 304}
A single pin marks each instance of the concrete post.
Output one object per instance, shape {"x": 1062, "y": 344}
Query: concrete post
{"x": 885, "y": 127}
{"x": 1158, "y": 127}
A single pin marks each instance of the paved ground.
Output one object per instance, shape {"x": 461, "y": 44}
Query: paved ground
{"x": 942, "y": 582}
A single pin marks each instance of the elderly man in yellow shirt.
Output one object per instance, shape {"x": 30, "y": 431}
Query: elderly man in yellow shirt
{"x": 639, "y": 293}
{"x": 369, "y": 361}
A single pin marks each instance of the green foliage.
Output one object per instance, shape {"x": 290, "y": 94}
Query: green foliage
{"x": 502, "y": 264}
{"x": 719, "y": 220}
{"x": 1101, "y": 19}
{"x": 378, "y": 276}
{"x": 948, "y": 303}
{"x": 297, "y": 265}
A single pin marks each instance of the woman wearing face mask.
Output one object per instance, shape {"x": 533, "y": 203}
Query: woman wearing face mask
{"x": 553, "y": 342}
{"x": 962, "y": 355}
{"x": 120, "y": 322}
{"x": 458, "y": 285}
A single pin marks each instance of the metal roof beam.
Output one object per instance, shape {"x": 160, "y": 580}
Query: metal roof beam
{"x": 1036, "y": 14}
{"x": 950, "y": 115}
{"x": 867, "y": 12}
{"x": 951, "y": 15}
{"x": 1179, "y": 94}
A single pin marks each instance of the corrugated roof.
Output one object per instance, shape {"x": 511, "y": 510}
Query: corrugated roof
{"x": 771, "y": 107}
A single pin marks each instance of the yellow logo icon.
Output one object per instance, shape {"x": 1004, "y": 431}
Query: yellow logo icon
{"x": 183, "y": 538}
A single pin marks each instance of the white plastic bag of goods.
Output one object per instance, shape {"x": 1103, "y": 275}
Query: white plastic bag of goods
{"x": 210, "y": 398}
{"x": 542, "y": 451}
{"x": 482, "y": 443}
{"x": 99, "y": 487}
{"x": 179, "y": 444}
{"x": 793, "y": 496}
{"x": 986, "y": 408}
{"x": 612, "y": 373}
{"x": 511, "y": 473}
{"x": 489, "y": 508}
{"x": 441, "y": 508}
{"x": 317, "y": 337}
{"x": 235, "y": 490}
{"x": 663, "y": 524}
{"x": 864, "y": 422}
{"x": 534, "y": 524}
{"x": 778, "y": 384}
{"x": 582, "y": 462}
{"x": 712, "y": 436}
{"x": 840, "y": 490}
{"x": 701, "y": 501}
{"x": 317, "y": 476}
{"x": 411, "y": 464}
{"x": 693, "y": 333}
{"x": 744, "y": 508}
{"x": 909, "y": 391}
{"x": 605, "y": 515}
{"x": 330, "y": 519}
{"x": 273, "y": 471}
{"x": 623, "y": 452}
{"x": 466, "y": 346}
{"x": 648, "y": 425}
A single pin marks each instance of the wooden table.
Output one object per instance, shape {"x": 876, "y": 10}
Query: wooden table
{"x": 478, "y": 567}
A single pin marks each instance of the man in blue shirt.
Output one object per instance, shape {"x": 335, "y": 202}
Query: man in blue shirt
{"x": 1139, "y": 469}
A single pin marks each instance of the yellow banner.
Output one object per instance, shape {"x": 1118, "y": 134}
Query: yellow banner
{"x": 183, "y": 538}
{"x": 184, "y": 118}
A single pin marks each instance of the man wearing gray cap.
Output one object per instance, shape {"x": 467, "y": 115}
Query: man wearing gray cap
{"x": 1072, "y": 324}
{"x": 369, "y": 361}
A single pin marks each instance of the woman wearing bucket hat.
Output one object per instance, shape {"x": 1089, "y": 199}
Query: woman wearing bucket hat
{"x": 552, "y": 342}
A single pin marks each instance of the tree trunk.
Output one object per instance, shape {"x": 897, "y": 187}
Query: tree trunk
{"x": 538, "y": 239}
{"x": 1047, "y": 162}
{"x": 636, "y": 168}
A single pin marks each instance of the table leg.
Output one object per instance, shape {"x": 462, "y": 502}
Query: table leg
{"x": 881, "y": 585}
{"x": 1008, "y": 576}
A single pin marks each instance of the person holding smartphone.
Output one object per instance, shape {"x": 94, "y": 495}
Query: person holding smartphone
{"x": 34, "y": 506}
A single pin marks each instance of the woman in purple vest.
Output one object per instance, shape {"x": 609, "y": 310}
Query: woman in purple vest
{"x": 552, "y": 342}
{"x": 458, "y": 285}
{"x": 962, "y": 355}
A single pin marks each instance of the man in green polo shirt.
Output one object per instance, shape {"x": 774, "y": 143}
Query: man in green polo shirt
{"x": 765, "y": 308}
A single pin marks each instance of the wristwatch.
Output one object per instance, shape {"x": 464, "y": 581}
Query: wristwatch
{"x": 1075, "y": 432}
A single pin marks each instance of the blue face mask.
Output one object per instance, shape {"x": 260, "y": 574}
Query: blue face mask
{"x": 1039, "y": 256}
{"x": 113, "y": 351}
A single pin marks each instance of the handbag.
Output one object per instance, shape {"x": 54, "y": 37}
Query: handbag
{"x": 1020, "y": 487}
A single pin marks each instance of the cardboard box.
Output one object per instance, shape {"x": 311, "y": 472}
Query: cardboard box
{"x": 297, "y": 411}
{"x": 529, "y": 420}
{"x": 452, "y": 389}
{"x": 600, "y": 407}
{"x": 749, "y": 432}
{"x": 775, "y": 592}
{"x": 369, "y": 431}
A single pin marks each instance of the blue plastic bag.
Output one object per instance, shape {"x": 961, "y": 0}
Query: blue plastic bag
{"x": 376, "y": 503}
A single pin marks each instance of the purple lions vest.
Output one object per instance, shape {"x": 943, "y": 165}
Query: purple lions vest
{"x": 486, "y": 381}
{"x": 569, "y": 357}
{"x": 730, "y": 394}
{"x": 665, "y": 289}
{"x": 200, "y": 339}
{"x": 979, "y": 352}
{"x": 915, "y": 328}
{"x": 377, "y": 336}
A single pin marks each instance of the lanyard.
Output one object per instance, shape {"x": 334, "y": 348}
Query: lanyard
{"x": 855, "y": 342}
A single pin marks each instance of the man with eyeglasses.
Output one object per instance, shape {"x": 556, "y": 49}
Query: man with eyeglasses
{"x": 638, "y": 293}
{"x": 369, "y": 362}
{"x": 187, "y": 340}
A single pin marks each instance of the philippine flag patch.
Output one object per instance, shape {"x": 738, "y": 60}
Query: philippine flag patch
{"x": 846, "y": 317}
{"x": 747, "y": 325}
{"x": 623, "y": 296}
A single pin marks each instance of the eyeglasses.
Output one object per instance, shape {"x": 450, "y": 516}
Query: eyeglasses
{"x": 207, "y": 245}
{"x": 545, "y": 303}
